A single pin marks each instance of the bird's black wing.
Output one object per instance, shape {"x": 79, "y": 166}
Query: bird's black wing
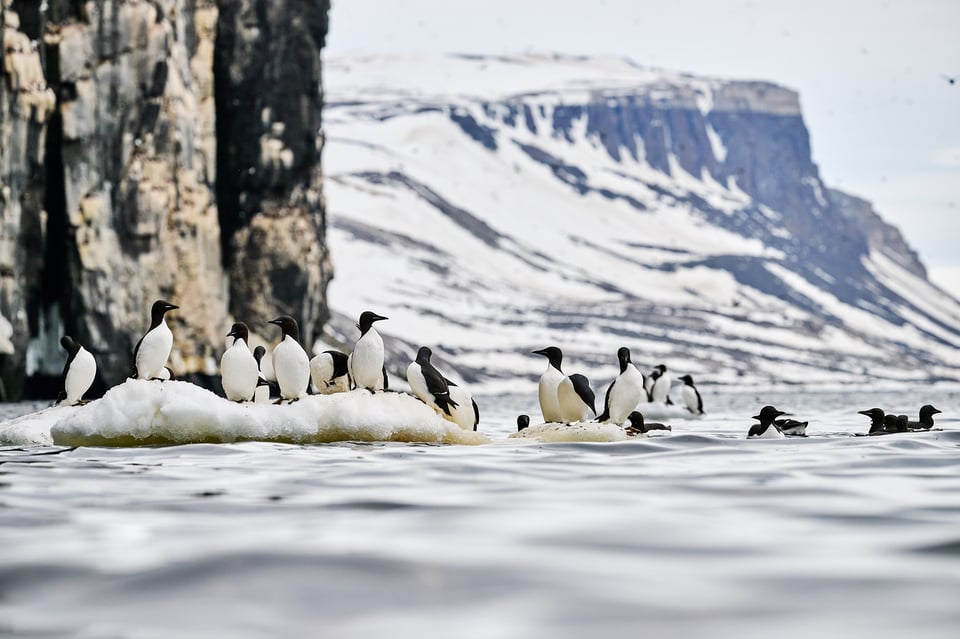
{"x": 606, "y": 404}
{"x": 581, "y": 386}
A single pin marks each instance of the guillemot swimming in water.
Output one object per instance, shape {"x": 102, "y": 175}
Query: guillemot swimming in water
{"x": 660, "y": 391}
{"x": 792, "y": 427}
{"x": 366, "y": 362}
{"x": 640, "y": 427}
{"x": 892, "y": 424}
{"x": 927, "y": 411}
{"x": 239, "y": 370}
{"x": 876, "y": 416}
{"x": 151, "y": 353}
{"x": 624, "y": 392}
{"x": 691, "y": 396}
{"x": 329, "y": 372}
{"x": 78, "y": 373}
{"x": 428, "y": 384}
{"x": 766, "y": 429}
{"x": 575, "y": 398}
{"x": 290, "y": 362}
{"x": 523, "y": 421}
{"x": 550, "y": 383}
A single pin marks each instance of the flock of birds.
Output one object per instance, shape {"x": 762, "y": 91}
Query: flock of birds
{"x": 289, "y": 375}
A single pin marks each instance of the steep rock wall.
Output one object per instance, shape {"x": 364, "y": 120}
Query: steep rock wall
{"x": 269, "y": 144}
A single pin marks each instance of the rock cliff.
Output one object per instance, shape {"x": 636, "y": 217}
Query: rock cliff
{"x": 120, "y": 132}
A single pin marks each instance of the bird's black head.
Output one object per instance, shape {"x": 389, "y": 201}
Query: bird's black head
{"x": 890, "y": 421}
{"x": 873, "y": 413}
{"x": 288, "y": 325}
{"x": 927, "y": 411}
{"x": 239, "y": 331}
{"x": 552, "y": 353}
{"x": 686, "y": 379}
{"x": 636, "y": 420}
{"x": 424, "y": 355}
{"x": 522, "y": 422}
{"x": 662, "y": 368}
{"x": 768, "y": 414}
{"x": 69, "y": 344}
{"x": 623, "y": 356}
{"x": 258, "y": 354}
{"x": 159, "y": 309}
{"x": 367, "y": 318}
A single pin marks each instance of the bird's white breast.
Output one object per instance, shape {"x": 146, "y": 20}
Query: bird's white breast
{"x": 292, "y": 368}
{"x": 463, "y": 415}
{"x": 626, "y": 394}
{"x": 366, "y": 361}
{"x": 83, "y": 369}
{"x": 549, "y": 400}
{"x": 154, "y": 351}
{"x": 239, "y": 373}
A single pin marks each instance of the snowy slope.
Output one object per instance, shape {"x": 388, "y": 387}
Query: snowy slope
{"x": 491, "y": 206}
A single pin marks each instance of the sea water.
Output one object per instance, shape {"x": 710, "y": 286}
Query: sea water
{"x": 695, "y": 533}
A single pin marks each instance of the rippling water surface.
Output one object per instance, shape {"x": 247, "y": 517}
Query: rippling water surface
{"x": 698, "y": 533}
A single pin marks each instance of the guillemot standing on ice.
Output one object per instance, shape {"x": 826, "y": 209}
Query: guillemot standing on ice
{"x": 649, "y": 380}
{"x": 290, "y": 362}
{"x": 428, "y": 384}
{"x": 640, "y": 427}
{"x": 239, "y": 370}
{"x": 660, "y": 391}
{"x": 766, "y": 429}
{"x": 151, "y": 353}
{"x": 366, "y": 362}
{"x": 624, "y": 392}
{"x": 549, "y": 384}
{"x": 575, "y": 398}
{"x": 78, "y": 373}
{"x": 691, "y": 396}
{"x": 329, "y": 373}
{"x": 466, "y": 415}
{"x": 927, "y": 411}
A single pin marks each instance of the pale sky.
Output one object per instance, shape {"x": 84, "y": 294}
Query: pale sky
{"x": 884, "y": 123}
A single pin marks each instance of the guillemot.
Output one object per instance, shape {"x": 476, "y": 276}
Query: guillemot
{"x": 290, "y": 362}
{"x": 79, "y": 372}
{"x": 624, "y": 392}
{"x": 640, "y": 427}
{"x": 575, "y": 398}
{"x": 766, "y": 429}
{"x": 153, "y": 349}
{"x": 239, "y": 370}
{"x": 927, "y": 411}
{"x": 691, "y": 396}
{"x": 876, "y": 416}
{"x": 792, "y": 427}
{"x": 660, "y": 391}
{"x": 466, "y": 415}
{"x": 550, "y": 383}
{"x": 366, "y": 362}
{"x": 330, "y": 373}
{"x": 429, "y": 386}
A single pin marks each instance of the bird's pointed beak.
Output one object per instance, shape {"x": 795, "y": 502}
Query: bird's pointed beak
{"x": 756, "y": 417}
{"x": 864, "y": 412}
{"x": 937, "y": 411}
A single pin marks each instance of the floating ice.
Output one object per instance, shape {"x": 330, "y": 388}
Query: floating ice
{"x": 578, "y": 432}
{"x": 144, "y": 412}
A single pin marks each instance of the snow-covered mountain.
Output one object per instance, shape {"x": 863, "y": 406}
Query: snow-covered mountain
{"x": 493, "y": 205}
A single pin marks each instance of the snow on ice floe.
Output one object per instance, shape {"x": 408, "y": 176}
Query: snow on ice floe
{"x": 143, "y": 412}
{"x": 552, "y": 432}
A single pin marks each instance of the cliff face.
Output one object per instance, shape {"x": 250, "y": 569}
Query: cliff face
{"x": 593, "y": 204}
{"x": 113, "y": 184}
